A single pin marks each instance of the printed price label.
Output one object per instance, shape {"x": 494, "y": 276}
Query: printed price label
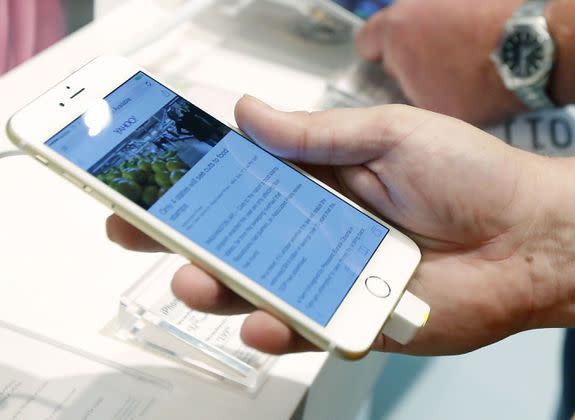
{"x": 549, "y": 132}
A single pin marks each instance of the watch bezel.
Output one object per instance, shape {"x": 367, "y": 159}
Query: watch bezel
{"x": 538, "y": 26}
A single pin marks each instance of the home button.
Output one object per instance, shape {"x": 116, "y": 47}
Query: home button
{"x": 377, "y": 286}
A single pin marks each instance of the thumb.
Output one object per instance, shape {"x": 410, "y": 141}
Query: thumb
{"x": 335, "y": 137}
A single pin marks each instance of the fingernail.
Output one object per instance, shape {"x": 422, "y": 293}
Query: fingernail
{"x": 247, "y": 96}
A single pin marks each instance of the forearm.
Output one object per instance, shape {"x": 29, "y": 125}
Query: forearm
{"x": 560, "y": 16}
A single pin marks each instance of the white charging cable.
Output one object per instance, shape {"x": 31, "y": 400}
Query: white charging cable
{"x": 10, "y": 153}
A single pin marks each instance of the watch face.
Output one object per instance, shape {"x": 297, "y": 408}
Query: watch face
{"x": 522, "y": 53}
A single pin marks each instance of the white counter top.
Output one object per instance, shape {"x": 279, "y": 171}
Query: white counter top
{"x": 59, "y": 274}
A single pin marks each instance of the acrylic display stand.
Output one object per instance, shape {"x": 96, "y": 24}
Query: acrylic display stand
{"x": 209, "y": 345}
{"x": 359, "y": 84}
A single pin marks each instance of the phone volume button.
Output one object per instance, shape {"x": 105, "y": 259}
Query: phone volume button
{"x": 41, "y": 159}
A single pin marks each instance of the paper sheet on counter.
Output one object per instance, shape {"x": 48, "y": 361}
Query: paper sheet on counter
{"x": 42, "y": 379}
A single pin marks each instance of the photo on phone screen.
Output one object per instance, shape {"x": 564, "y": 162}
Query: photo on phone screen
{"x": 253, "y": 211}
{"x": 363, "y": 8}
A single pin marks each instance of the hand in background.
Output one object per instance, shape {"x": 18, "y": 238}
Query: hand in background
{"x": 438, "y": 51}
{"x": 496, "y": 228}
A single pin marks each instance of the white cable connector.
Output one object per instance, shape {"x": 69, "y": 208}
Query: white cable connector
{"x": 409, "y": 316}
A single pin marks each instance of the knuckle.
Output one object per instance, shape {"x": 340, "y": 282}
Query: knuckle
{"x": 306, "y": 136}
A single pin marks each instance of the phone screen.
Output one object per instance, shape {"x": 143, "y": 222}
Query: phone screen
{"x": 363, "y": 8}
{"x": 228, "y": 195}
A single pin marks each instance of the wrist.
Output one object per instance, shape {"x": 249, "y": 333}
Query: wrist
{"x": 549, "y": 249}
{"x": 560, "y": 16}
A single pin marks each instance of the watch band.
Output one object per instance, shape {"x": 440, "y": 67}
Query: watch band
{"x": 531, "y": 8}
{"x": 535, "y": 97}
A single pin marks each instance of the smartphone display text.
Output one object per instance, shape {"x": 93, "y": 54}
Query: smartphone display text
{"x": 250, "y": 209}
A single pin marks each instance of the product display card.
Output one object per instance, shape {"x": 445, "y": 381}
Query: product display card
{"x": 550, "y": 132}
{"x": 45, "y": 380}
{"x": 152, "y": 317}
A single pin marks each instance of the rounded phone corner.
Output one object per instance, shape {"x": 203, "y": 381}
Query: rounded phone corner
{"x": 351, "y": 355}
{"x": 348, "y": 353}
{"x": 410, "y": 243}
{"x": 11, "y": 132}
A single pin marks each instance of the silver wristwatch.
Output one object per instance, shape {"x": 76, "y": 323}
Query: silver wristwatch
{"x": 525, "y": 55}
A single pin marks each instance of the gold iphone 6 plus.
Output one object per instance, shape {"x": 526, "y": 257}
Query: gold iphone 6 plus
{"x": 276, "y": 236}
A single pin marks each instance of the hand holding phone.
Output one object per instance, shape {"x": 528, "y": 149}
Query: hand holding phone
{"x": 436, "y": 177}
{"x": 430, "y": 174}
{"x": 281, "y": 239}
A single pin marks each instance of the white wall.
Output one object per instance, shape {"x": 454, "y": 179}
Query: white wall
{"x": 101, "y": 7}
